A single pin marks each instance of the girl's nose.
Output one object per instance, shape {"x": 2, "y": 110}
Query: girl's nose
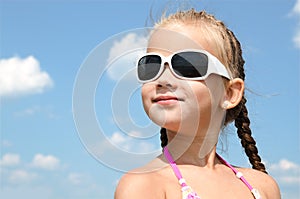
{"x": 167, "y": 78}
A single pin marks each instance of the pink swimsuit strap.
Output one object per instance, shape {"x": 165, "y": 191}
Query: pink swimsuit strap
{"x": 187, "y": 192}
{"x": 183, "y": 184}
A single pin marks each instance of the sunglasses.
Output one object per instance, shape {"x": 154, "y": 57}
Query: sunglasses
{"x": 188, "y": 65}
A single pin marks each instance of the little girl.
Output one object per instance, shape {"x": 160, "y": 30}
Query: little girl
{"x": 193, "y": 85}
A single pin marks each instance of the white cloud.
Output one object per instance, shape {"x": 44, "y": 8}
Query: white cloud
{"x": 77, "y": 178}
{"x": 34, "y": 110}
{"x": 118, "y": 138}
{"x": 27, "y": 191}
{"x": 296, "y": 8}
{"x": 297, "y": 38}
{"x": 10, "y": 159}
{"x": 22, "y": 76}
{"x": 286, "y": 172}
{"x": 285, "y": 165}
{"x": 290, "y": 179}
{"x": 21, "y": 176}
{"x": 135, "y": 134}
{"x": 296, "y": 12}
{"x": 123, "y": 55}
{"x": 25, "y": 181}
{"x": 28, "y": 111}
{"x": 6, "y": 143}
{"x": 130, "y": 143}
{"x": 47, "y": 162}
{"x": 121, "y": 141}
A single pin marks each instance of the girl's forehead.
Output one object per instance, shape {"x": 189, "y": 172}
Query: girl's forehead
{"x": 175, "y": 38}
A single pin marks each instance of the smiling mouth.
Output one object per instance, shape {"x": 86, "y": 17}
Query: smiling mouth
{"x": 166, "y": 99}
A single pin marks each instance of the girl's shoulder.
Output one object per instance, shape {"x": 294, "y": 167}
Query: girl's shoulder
{"x": 265, "y": 183}
{"x": 140, "y": 183}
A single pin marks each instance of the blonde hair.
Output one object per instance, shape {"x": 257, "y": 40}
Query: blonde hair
{"x": 213, "y": 30}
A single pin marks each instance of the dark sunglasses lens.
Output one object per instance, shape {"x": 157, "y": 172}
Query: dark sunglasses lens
{"x": 148, "y": 67}
{"x": 190, "y": 64}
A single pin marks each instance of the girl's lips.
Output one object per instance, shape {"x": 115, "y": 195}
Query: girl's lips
{"x": 166, "y": 100}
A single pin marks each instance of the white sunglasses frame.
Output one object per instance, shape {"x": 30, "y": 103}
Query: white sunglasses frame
{"x": 214, "y": 66}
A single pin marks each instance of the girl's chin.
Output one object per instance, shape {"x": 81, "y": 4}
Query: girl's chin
{"x": 172, "y": 125}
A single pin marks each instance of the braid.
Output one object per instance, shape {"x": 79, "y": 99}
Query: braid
{"x": 240, "y": 112}
{"x": 163, "y": 137}
{"x": 242, "y": 124}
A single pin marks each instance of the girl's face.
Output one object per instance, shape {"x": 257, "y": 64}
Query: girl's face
{"x": 182, "y": 105}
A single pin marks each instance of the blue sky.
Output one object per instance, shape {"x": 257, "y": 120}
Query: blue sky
{"x": 45, "y": 45}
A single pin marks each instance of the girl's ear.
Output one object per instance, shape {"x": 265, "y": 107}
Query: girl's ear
{"x": 234, "y": 93}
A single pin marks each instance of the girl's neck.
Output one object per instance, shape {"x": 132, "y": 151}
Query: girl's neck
{"x": 200, "y": 151}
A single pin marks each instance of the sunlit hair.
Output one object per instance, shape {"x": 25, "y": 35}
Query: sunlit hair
{"x": 228, "y": 51}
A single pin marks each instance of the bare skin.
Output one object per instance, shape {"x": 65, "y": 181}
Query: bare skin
{"x": 208, "y": 177}
{"x": 195, "y": 158}
{"x": 213, "y": 181}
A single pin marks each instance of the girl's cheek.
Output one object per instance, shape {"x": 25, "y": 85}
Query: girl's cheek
{"x": 146, "y": 99}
